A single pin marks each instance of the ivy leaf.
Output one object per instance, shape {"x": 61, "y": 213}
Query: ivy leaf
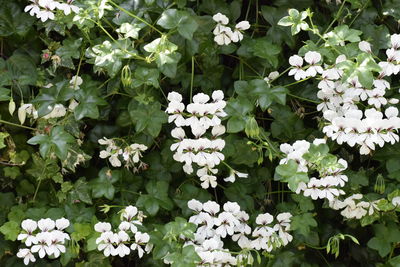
{"x": 288, "y": 173}
{"x": 103, "y": 185}
{"x": 182, "y": 20}
{"x": 57, "y": 140}
{"x": 147, "y": 76}
{"x": 109, "y": 55}
{"x": 81, "y": 191}
{"x": 303, "y": 223}
{"x": 157, "y": 197}
{"x": 165, "y": 55}
{"x": 363, "y": 68}
{"x": 68, "y": 51}
{"x": 238, "y": 110}
{"x": 341, "y": 34}
{"x": 295, "y": 20}
{"x": 22, "y": 69}
{"x": 88, "y": 103}
{"x": 129, "y": 30}
{"x": 148, "y": 118}
{"x": 385, "y": 235}
{"x": 13, "y": 21}
{"x": 57, "y": 94}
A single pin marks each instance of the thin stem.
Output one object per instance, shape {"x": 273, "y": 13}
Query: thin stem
{"x": 334, "y": 20}
{"x": 302, "y": 98}
{"x": 134, "y": 16}
{"x": 359, "y": 12}
{"x": 192, "y": 80}
{"x": 17, "y": 125}
{"x": 37, "y": 189}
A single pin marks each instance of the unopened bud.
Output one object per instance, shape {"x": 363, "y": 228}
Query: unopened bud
{"x": 11, "y": 106}
{"x": 251, "y": 128}
{"x": 126, "y": 76}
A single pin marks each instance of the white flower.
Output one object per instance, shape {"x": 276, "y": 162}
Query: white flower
{"x": 395, "y": 41}
{"x": 105, "y": 242}
{"x": 27, "y": 255}
{"x": 224, "y": 36}
{"x": 297, "y": 62}
{"x": 208, "y": 180}
{"x": 102, "y": 227}
{"x": 396, "y": 201}
{"x": 264, "y": 219}
{"x": 237, "y": 34}
{"x": 62, "y": 223}
{"x": 75, "y": 82}
{"x": 221, "y": 19}
{"x": 232, "y": 177}
{"x": 140, "y": 240}
{"x": 365, "y": 46}
{"x": 211, "y": 207}
{"x": 29, "y": 226}
{"x": 41, "y": 243}
{"x": 57, "y": 111}
{"x": 121, "y": 249}
{"x": 312, "y": 58}
{"x": 46, "y": 224}
{"x": 195, "y": 205}
{"x": 68, "y": 7}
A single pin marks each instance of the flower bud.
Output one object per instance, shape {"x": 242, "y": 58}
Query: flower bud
{"x": 251, "y": 128}
{"x": 126, "y": 76}
{"x": 11, "y": 106}
{"x": 22, "y": 113}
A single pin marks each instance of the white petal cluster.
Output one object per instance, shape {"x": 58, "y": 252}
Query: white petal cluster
{"x": 330, "y": 179}
{"x": 45, "y": 237}
{"x": 342, "y": 101}
{"x": 75, "y": 82}
{"x": 203, "y": 114}
{"x": 44, "y": 9}
{"x": 124, "y": 239}
{"x": 311, "y": 69}
{"x": 223, "y": 34}
{"x": 130, "y": 155}
{"x": 353, "y": 207}
{"x": 26, "y": 109}
{"x": 214, "y": 225}
{"x": 57, "y": 111}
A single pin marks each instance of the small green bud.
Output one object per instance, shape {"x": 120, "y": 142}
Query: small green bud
{"x": 251, "y": 128}
{"x": 126, "y": 76}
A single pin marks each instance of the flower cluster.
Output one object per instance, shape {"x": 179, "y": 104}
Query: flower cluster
{"x": 331, "y": 177}
{"x": 117, "y": 243}
{"x": 129, "y": 154}
{"x": 44, "y": 9}
{"x": 215, "y": 225}
{"x": 224, "y": 35}
{"x": 48, "y": 241}
{"x": 346, "y": 122}
{"x": 201, "y": 116}
{"x": 353, "y": 207}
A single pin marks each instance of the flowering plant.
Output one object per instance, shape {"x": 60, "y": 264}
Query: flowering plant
{"x": 199, "y": 133}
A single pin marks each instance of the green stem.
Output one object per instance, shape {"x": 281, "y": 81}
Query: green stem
{"x": 17, "y": 125}
{"x": 192, "y": 80}
{"x": 134, "y": 16}
{"x": 37, "y": 189}
{"x": 334, "y": 20}
{"x": 302, "y": 98}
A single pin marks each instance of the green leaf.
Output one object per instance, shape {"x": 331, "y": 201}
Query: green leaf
{"x": 13, "y": 21}
{"x": 2, "y": 137}
{"x": 148, "y": 118}
{"x": 68, "y": 51}
{"x": 303, "y": 223}
{"x": 10, "y": 230}
{"x": 81, "y": 191}
{"x": 147, "y": 76}
{"x": 182, "y": 20}
{"x": 237, "y": 109}
{"x": 22, "y": 69}
{"x": 340, "y": 34}
{"x": 57, "y": 140}
{"x": 89, "y": 101}
{"x": 57, "y": 94}
{"x": 129, "y": 30}
{"x": 385, "y": 235}
{"x": 103, "y": 185}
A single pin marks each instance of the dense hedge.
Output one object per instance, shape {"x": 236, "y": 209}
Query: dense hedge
{"x": 199, "y": 133}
